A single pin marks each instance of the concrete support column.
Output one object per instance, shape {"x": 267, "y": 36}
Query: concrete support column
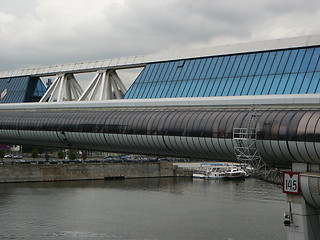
{"x": 304, "y": 220}
{"x": 303, "y": 216}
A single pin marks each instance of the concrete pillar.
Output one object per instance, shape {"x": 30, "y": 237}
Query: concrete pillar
{"x": 303, "y": 216}
{"x": 304, "y": 220}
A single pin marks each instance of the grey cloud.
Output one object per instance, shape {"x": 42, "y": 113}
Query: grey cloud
{"x": 68, "y": 31}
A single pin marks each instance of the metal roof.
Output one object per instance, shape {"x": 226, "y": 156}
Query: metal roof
{"x": 142, "y": 60}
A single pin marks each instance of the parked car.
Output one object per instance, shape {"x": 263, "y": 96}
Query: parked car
{"x": 8, "y": 156}
{"x": 17, "y": 157}
{"x": 23, "y": 162}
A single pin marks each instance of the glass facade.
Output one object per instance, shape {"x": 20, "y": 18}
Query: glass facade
{"x": 283, "y": 136}
{"x": 21, "y": 89}
{"x": 289, "y": 71}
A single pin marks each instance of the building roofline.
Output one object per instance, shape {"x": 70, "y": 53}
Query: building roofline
{"x": 294, "y": 101}
{"x": 142, "y": 60}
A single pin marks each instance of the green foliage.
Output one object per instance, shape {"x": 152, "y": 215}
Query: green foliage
{"x": 61, "y": 154}
{"x": 35, "y": 153}
{"x": 47, "y": 156}
{"x": 72, "y": 155}
{"x": 2, "y": 153}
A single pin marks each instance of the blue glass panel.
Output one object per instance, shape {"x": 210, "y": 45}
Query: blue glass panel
{"x": 291, "y": 60}
{"x": 160, "y": 89}
{"x": 290, "y": 83}
{"x": 240, "y": 86}
{"x": 146, "y": 77}
{"x": 184, "y": 71}
{"x": 255, "y": 64}
{"x": 254, "y": 85}
{"x": 143, "y": 74}
{"x": 314, "y": 83}
{"x": 197, "y": 88}
{"x": 299, "y": 58}
{"x": 215, "y": 88}
{"x": 229, "y": 66}
{"x": 306, "y": 60}
{"x": 262, "y": 63}
{"x": 173, "y": 85}
{"x": 168, "y": 71}
{"x": 316, "y": 77}
{"x": 306, "y": 82}
{"x": 155, "y": 73}
{"x": 187, "y": 88}
{"x": 211, "y": 67}
{"x": 163, "y": 71}
{"x": 242, "y": 65}
{"x": 208, "y": 88}
{"x": 188, "y": 72}
{"x": 234, "y": 86}
{"x": 175, "y": 89}
{"x": 267, "y": 85}
{"x": 205, "y": 68}
{"x": 139, "y": 86}
{"x": 181, "y": 88}
{"x": 203, "y": 88}
{"x": 282, "y": 84}
{"x": 275, "y": 84}
{"x": 143, "y": 89}
{"x": 227, "y": 87}
{"x": 200, "y": 68}
{"x": 246, "y": 86}
{"x": 152, "y": 90}
{"x": 318, "y": 65}
{"x": 194, "y": 69}
{"x": 298, "y": 83}
{"x": 248, "y": 65}
{"x": 283, "y": 62}
{"x": 261, "y": 84}
{"x": 165, "y": 90}
{"x": 314, "y": 60}
{"x": 221, "y": 86}
{"x": 177, "y": 73}
{"x": 191, "y": 88}
{"x": 173, "y": 70}
{"x": 269, "y": 62}
{"x": 235, "y": 66}
{"x": 223, "y": 66}
{"x": 276, "y": 62}
{"x": 217, "y": 67}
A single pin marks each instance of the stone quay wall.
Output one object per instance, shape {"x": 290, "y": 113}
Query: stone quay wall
{"x": 63, "y": 172}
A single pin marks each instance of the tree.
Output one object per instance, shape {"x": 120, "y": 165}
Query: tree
{"x": 72, "y": 155}
{"x": 47, "y": 156}
{"x": 61, "y": 154}
{"x": 2, "y": 153}
{"x": 84, "y": 155}
{"x": 35, "y": 153}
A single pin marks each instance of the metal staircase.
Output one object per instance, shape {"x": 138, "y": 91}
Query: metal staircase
{"x": 245, "y": 147}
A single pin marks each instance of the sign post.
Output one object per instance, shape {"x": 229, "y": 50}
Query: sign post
{"x": 291, "y": 182}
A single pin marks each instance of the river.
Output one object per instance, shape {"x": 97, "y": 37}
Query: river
{"x": 148, "y": 209}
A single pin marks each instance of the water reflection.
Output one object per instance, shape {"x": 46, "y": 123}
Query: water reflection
{"x": 159, "y": 208}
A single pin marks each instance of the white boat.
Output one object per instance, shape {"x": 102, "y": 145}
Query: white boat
{"x": 235, "y": 173}
{"x": 219, "y": 171}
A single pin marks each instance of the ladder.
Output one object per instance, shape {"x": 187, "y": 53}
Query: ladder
{"x": 245, "y": 147}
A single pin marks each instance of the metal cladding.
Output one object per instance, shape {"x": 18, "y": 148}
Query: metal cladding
{"x": 310, "y": 187}
{"x": 283, "y": 136}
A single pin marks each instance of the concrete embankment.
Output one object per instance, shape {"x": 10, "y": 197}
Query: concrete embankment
{"x": 62, "y": 172}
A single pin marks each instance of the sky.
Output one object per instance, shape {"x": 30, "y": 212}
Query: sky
{"x": 47, "y": 32}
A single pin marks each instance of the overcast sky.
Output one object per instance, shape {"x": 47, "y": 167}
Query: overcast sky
{"x": 46, "y": 32}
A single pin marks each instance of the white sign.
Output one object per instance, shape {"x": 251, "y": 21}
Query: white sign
{"x": 291, "y": 182}
{"x": 4, "y": 93}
